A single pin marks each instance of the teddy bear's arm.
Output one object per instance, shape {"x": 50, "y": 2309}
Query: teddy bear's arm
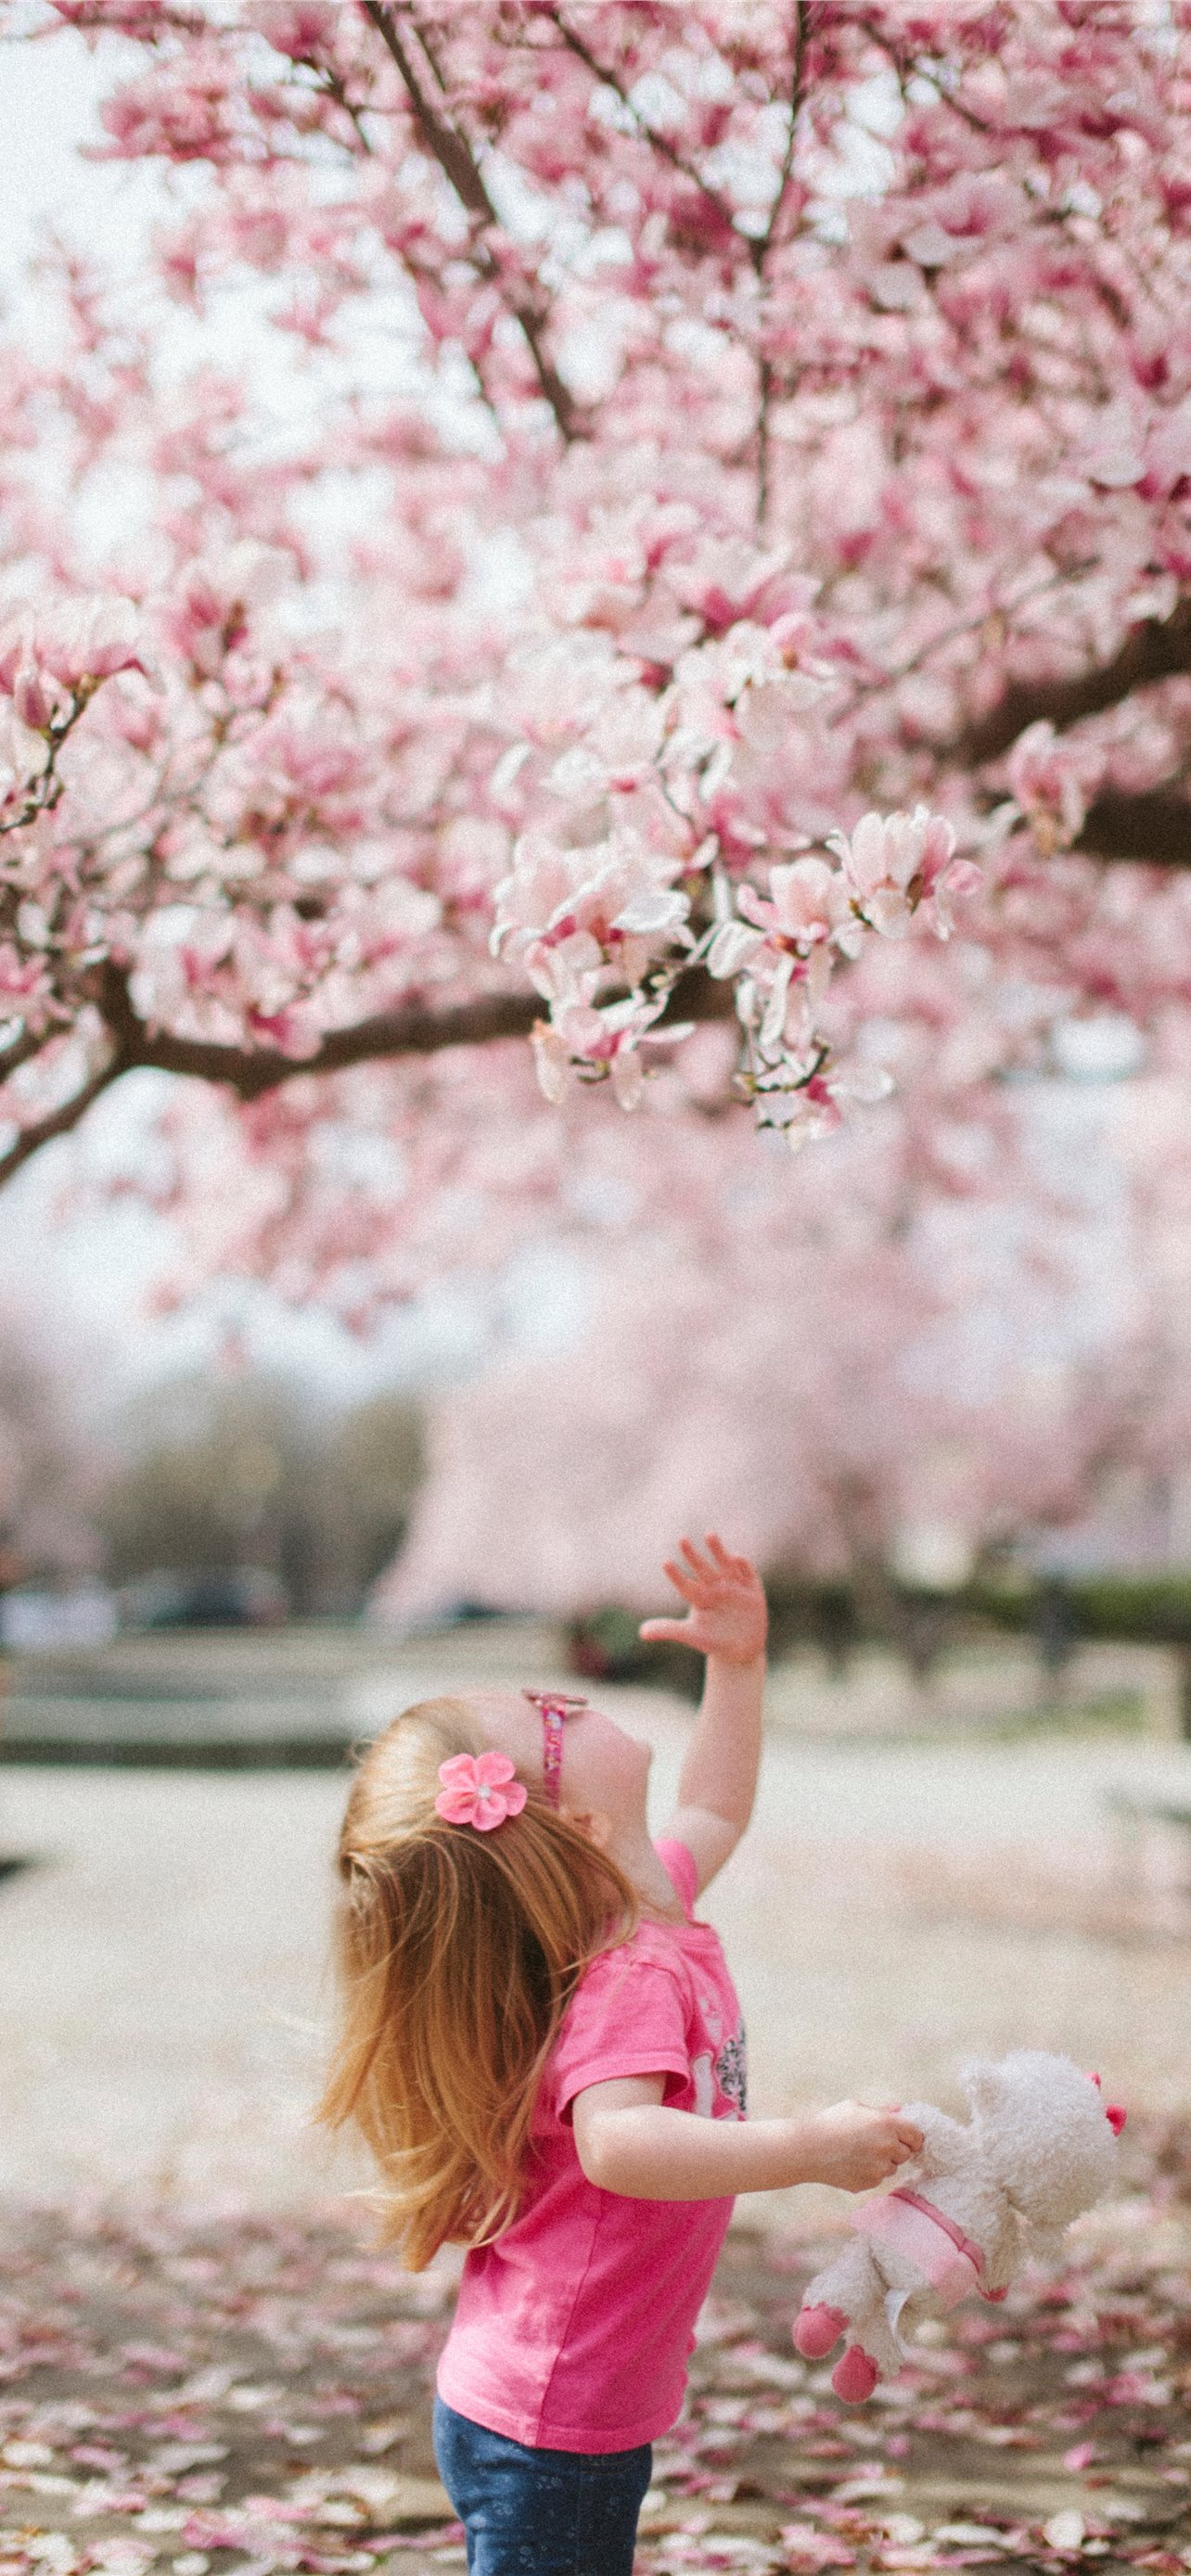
{"x": 1044, "y": 2244}
{"x": 946, "y": 2144}
{"x": 1002, "y": 2254}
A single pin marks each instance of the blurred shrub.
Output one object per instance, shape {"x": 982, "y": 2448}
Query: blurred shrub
{"x": 604, "y": 1646}
{"x": 1132, "y": 1609}
{"x": 921, "y": 1625}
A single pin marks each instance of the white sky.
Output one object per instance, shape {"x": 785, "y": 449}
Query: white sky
{"x": 48, "y": 102}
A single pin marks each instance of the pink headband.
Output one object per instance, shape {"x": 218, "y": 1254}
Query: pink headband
{"x": 554, "y": 1706}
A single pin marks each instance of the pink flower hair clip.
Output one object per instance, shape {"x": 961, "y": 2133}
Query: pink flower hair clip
{"x": 479, "y": 1789}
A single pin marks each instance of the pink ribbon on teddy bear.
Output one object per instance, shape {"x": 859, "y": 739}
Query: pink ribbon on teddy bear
{"x": 948, "y": 2259}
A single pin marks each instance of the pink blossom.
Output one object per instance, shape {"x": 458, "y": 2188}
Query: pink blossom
{"x": 809, "y": 901}
{"x": 208, "y": 612}
{"x": 304, "y": 29}
{"x": 35, "y": 704}
{"x": 92, "y": 639}
{"x": 581, "y": 1039}
{"x": 25, "y": 983}
{"x": 15, "y": 645}
{"x": 733, "y": 945}
{"x": 1051, "y": 780}
{"x": 893, "y": 864}
{"x": 612, "y": 903}
{"x": 22, "y": 754}
{"x": 617, "y": 749}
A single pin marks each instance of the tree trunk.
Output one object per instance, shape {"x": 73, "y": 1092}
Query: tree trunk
{"x": 1184, "y": 1665}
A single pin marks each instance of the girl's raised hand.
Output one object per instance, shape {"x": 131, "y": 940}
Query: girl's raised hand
{"x": 726, "y": 1613}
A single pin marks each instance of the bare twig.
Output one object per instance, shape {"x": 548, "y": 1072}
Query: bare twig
{"x": 761, "y": 247}
{"x": 60, "y": 1121}
{"x": 453, "y": 153}
{"x": 922, "y": 69}
{"x": 760, "y": 253}
{"x": 651, "y": 134}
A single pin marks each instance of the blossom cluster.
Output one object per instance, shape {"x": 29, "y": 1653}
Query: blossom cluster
{"x": 781, "y": 512}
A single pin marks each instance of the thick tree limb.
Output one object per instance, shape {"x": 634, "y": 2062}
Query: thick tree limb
{"x": 455, "y": 158}
{"x": 1155, "y": 829}
{"x": 1156, "y": 649}
{"x": 251, "y": 1071}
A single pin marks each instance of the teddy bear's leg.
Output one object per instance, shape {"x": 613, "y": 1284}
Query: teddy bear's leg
{"x": 834, "y": 2298}
{"x": 817, "y": 2328}
{"x": 855, "y": 2376}
{"x": 872, "y": 2353}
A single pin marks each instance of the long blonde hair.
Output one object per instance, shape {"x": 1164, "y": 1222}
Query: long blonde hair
{"x": 457, "y": 1954}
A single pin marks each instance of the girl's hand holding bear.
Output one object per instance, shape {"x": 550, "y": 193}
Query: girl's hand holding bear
{"x": 856, "y": 2146}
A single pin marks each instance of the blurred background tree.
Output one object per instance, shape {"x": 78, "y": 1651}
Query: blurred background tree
{"x": 223, "y": 1473}
{"x": 48, "y": 1464}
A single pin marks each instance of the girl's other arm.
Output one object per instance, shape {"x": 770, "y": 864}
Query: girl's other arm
{"x": 629, "y": 2142}
{"x": 726, "y": 1621}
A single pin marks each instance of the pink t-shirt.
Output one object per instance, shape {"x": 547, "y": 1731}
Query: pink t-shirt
{"x": 572, "y": 2331}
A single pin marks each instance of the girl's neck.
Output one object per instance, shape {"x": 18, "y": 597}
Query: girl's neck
{"x": 634, "y": 1853}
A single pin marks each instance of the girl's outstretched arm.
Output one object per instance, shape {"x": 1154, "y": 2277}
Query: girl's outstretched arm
{"x": 629, "y": 2142}
{"x": 727, "y": 1621}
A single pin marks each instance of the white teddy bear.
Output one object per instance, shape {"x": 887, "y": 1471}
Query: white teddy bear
{"x": 981, "y": 2197}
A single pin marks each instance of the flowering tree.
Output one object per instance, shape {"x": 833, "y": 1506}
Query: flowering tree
{"x": 741, "y": 523}
{"x": 828, "y": 1381}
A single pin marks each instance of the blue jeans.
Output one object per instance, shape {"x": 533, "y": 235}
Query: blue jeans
{"x": 540, "y": 2513}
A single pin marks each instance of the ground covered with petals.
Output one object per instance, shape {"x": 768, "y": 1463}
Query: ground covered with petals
{"x": 229, "y": 2396}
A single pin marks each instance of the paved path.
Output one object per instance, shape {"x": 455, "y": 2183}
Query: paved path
{"x": 896, "y": 1904}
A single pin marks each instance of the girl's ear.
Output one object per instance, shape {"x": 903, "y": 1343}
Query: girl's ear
{"x": 596, "y": 1827}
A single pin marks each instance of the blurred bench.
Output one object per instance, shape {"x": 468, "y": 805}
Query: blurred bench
{"x": 1151, "y": 1803}
{"x": 1138, "y": 1804}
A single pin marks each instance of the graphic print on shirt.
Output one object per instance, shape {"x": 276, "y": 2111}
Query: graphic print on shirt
{"x": 731, "y": 2071}
{"x": 722, "y": 2075}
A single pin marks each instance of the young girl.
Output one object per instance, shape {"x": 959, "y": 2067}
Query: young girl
{"x": 543, "y": 2049}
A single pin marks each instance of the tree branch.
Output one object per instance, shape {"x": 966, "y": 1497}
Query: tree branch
{"x": 760, "y": 252}
{"x": 252, "y": 1071}
{"x": 455, "y": 158}
{"x": 762, "y": 246}
{"x": 61, "y": 1120}
{"x": 1156, "y": 649}
{"x": 651, "y": 133}
{"x": 1153, "y": 829}
{"x": 21, "y": 1049}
